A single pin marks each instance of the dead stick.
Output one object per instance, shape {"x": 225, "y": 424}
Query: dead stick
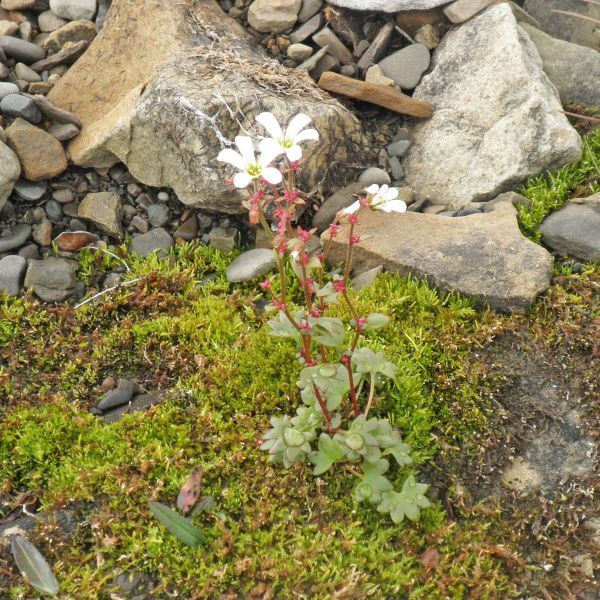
{"x": 572, "y": 14}
{"x": 583, "y": 117}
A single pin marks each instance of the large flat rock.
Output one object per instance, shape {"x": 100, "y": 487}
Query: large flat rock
{"x": 165, "y": 86}
{"x": 388, "y": 5}
{"x": 497, "y": 117}
{"x": 483, "y": 256}
{"x": 10, "y": 169}
{"x": 573, "y": 69}
{"x": 567, "y": 27}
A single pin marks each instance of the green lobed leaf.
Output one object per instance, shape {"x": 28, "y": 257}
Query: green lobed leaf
{"x": 406, "y": 503}
{"x": 372, "y": 483}
{"x": 330, "y": 451}
{"x": 179, "y": 526}
{"x": 377, "y": 321}
{"x": 33, "y": 566}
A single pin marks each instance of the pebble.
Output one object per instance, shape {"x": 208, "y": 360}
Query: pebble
{"x": 406, "y": 66}
{"x": 156, "y": 240}
{"x": 77, "y": 225}
{"x": 63, "y": 196}
{"x": 223, "y": 239}
{"x": 374, "y": 175}
{"x": 158, "y": 215}
{"x": 327, "y": 38}
{"x": 309, "y": 28}
{"x": 54, "y": 211}
{"x": 52, "y": 279}
{"x": 30, "y": 191}
{"x": 398, "y": 148}
{"x": 462, "y": 10}
{"x": 63, "y": 131}
{"x": 251, "y": 264}
{"x": 273, "y": 16}
{"x": 134, "y": 189}
{"x": 42, "y": 233}
{"x": 8, "y": 28}
{"x": 15, "y": 105}
{"x": 309, "y": 9}
{"x": 12, "y": 272}
{"x": 48, "y": 21}
{"x": 396, "y": 168}
{"x": 16, "y": 238}
{"x": 24, "y": 73}
{"x": 188, "y": 230}
{"x": 299, "y": 52}
{"x": 72, "y": 241}
{"x": 140, "y": 224}
{"x": 21, "y": 50}
{"x": 30, "y": 252}
{"x": 6, "y": 88}
{"x": 104, "y": 210}
{"x": 163, "y": 197}
{"x": 73, "y": 10}
{"x": 122, "y": 394}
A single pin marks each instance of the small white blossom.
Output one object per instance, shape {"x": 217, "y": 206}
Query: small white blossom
{"x": 350, "y": 210}
{"x": 289, "y": 140}
{"x": 249, "y": 166}
{"x": 384, "y": 198}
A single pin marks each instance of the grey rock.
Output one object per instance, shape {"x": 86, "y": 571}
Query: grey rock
{"x": 223, "y": 238}
{"x": 140, "y": 224}
{"x": 309, "y": 28}
{"x": 77, "y": 225}
{"x": 273, "y": 16}
{"x": 16, "y": 238}
{"x": 398, "y": 148}
{"x": 30, "y": 252}
{"x": 188, "y": 230}
{"x": 104, "y": 210}
{"x": 15, "y": 105}
{"x": 336, "y": 202}
{"x": 326, "y": 63}
{"x": 462, "y": 10}
{"x": 54, "y": 211}
{"x": 6, "y": 88}
{"x": 465, "y": 212}
{"x": 573, "y": 69}
{"x": 396, "y": 168}
{"x": 574, "y": 230}
{"x": 10, "y": 169}
{"x": 73, "y": 10}
{"x": 29, "y": 190}
{"x": 42, "y": 233}
{"x": 156, "y": 240}
{"x": 496, "y": 120}
{"x": 374, "y": 175}
{"x": 138, "y": 403}
{"x": 366, "y": 279}
{"x": 122, "y": 394}
{"x": 63, "y": 131}
{"x": 511, "y": 197}
{"x": 158, "y": 215}
{"x": 391, "y": 6}
{"x": 162, "y": 196}
{"x": 251, "y": 264}
{"x": 12, "y": 272}
{"x": 311, "y": 62}
{"x": 406, "y": 66}
{"x": 309, "y": 9}
{"x": 565, "y": 27}
{"x": 48, "y": 21}
{"x": 21, "y": 50}
{"x": 483, "y": 256}
{"x": 335, "y": 47}
{"x": 24, "y": 73}
{"x": 299, "y": 52}
{"x": 52, "y": 279}
{"x": 63, "y": 196}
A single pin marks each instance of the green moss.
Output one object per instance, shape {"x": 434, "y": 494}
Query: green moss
{"x": 550, "y": 191}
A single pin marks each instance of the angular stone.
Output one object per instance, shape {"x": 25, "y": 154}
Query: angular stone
{"x": 412, "y": 20}
{"x": 10, "y": 169}
{"x": 377, "y": 48}
{"x": 251, "y": 264}
{"x": 462, "y": 10}
{"x": 567, "y": 27}
{"x": 39, "y": 87}
{"x": 305, "y": 31}
{"x": 63, "y": 131}
{"x": 223, "y": 238}
{"x": 375, "y": 75}
{"x": 188, "y": 230}
{"x": 483, "y": 256}
{"x": 104, "y": 210}
{"x": 375, "y": 94}
{"x": 52, "y": 279}
{"x": 12, "y": 272}
{"x": 8, "y": 28}
{"x": 573, "y": 69}
{"x": 24, "y": 73}
{"x": 41, "y": 155}
{"x": 15, "y": 105}
{"x": 73, "y": 32}
{"x": 156, "y": 240}
{"x": 391, "y": 6}
{"x": 299, "y": 52}
{"x": 273, "y": 15}
{"x": 497, "y": 118}
{"x": 335, "y": 47}
{"x": 406, "y": 66}
{"x": 515, "y": 199}
{"x": 20, "y": 49}
{"x": 158, "y": 215}
{"x": 149, "y": 100}
{"x": 309, "y": 9}
{"x": 138, "y": 403}
{"x": 42, "y": 233}
{"x": 73, "y": 10}
{"x": 336, "y": 202}
{"x": 574, "y": 230}
{"x": 15, "y": 238}
{"x": 324, "y": 64}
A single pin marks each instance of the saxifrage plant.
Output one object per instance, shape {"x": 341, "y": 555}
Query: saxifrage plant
{"x": 339, "y": 372}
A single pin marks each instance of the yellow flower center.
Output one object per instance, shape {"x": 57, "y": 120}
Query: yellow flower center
{"x": 254, "y": 170}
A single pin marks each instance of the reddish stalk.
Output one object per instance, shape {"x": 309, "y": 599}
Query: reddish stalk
{"x": 323, "y": 406}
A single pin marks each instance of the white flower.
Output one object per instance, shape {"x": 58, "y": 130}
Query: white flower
{"x": 384, "y": 198}
{"x": 289, "y": 140}
{"x": 350, "y": 210}
{"x": 250, "y": 167}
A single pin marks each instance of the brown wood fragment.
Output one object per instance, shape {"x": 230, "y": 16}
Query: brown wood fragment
{"x": 66, "y": 56}
{"x": 375, "y": 94}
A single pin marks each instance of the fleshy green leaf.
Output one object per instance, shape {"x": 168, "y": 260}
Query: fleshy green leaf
{"x": 406, "y": 503}
{"x": 179, "y": 526}
{"x": 282, "y": 327}
{"x": 373, "y": 484}
{"x": 401, "y": 452}
{"x": 330, "y": 451}
{"x": 377, "y": 321}
{"x": 33, "y": 566}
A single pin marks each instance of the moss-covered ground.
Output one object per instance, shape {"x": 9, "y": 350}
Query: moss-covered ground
{"x": 200, "y": 343}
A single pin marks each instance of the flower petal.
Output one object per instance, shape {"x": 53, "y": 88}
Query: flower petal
{"x": 392, "y": 206}
{"x": 372, "y": 189}
{"x": 241, "y": 180}
{"x": 300, "y": 121}
{"x": 294, "y": 153}
{"x": 390, "y": 194}
{"x": 269, "y": 150}
{"x": 270, "y": 123}
{"x": 272, "y": 175}
{"x": 233, "y": 158}
{"x": 246, "y": 148}
{"x": 307, "y": 134}
{"x": 349, "y": 210}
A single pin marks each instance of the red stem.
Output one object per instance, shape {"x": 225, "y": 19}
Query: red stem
{"x": 323, "y": 407}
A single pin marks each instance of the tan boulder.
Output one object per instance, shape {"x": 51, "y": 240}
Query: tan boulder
{"x": 40, "y": 154}
{"x": 166, "y": 104}
{"x": 75, "y": 31}
{"x": 483, "y": 256}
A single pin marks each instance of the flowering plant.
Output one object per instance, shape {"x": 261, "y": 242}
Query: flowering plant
{"x": 339, "y": 375}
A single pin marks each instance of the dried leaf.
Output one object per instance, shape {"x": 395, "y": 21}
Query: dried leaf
{"x": 33, "y": 566}
{"x": 71, "y": 241}
{"x": 190, "y": 491}
{"x": 430, "y": 559}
